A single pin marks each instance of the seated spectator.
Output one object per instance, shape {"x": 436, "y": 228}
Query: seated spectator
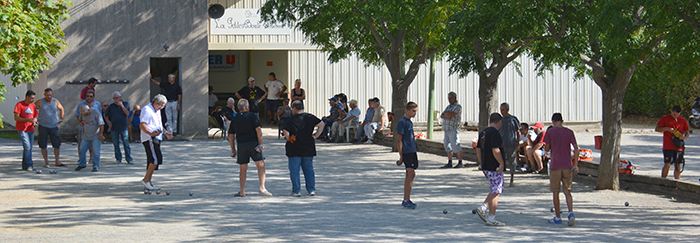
{"x": 336, "y": 112}
{"x": 351, "y": 119}
{"x": 535, "y": 153}
{"x": 523, "y": 146}
{"x": 228, "y": 111}
{"x": 284, "y": 111}
{"x": 343, "y": 100}
{"x": 359, "y": 135}
{"x": 379, "y": 121}
{"x": 134, "y": 121}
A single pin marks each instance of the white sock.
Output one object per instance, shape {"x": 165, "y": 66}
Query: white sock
{"x": 492, "y": 217}
{"x": 483, "y": 206}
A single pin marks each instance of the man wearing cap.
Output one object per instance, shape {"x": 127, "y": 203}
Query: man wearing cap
{"x": 253, "y": 94}
{"x": 351, "y": 119}
{"x": 173, "y": 92}
{"x": 378, "y": 123}
{"x": 336, "y": 110}
{"x": 301, "y": 147}
{"x": 559, "y": 141}
{"x": 535, "y": 153}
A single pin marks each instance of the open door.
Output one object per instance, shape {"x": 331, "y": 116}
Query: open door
{"x": 160, "y": 68}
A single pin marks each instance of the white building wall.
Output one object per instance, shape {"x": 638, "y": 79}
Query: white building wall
{"x": 532, "y": 98}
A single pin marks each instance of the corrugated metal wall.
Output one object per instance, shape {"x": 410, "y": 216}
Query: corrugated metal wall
{"x": 531, "y": 97}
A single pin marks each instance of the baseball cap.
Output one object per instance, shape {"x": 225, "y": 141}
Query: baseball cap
{"x": 537, "y": 124}
{"x": 251, "y": 79}
{"x": 333, "y": 99}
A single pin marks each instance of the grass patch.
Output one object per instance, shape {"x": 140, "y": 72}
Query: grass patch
{"x": 10, "y": 135}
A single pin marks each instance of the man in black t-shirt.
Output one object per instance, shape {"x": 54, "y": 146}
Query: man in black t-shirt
{"x": 173, "y": 92}
{"x": 490, "y": 158}
{"x": 301, "y": 147}
{"x": 247, "y": 126}
{"x": 253, "y": 94}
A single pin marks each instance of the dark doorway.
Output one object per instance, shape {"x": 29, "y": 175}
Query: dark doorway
{"x": 160, "y": 68}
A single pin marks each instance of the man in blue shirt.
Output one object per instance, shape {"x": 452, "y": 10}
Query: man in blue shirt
{"x": 118, "y": 114}
{"x": 407, "y": 152}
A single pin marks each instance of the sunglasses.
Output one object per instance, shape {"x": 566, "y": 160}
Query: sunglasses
{"x": 89, "y": 96}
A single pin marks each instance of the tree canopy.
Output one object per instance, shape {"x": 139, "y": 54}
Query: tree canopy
{"x": 30, "y": 33}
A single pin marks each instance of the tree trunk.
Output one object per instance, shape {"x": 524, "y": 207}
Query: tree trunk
{"x": 399, "y": 98}
{"x": 613, "y": 96}
{"x": 488, "y": 99}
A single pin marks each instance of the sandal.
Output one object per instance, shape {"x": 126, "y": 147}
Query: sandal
{"x": 238, "y": 194}
{"x": 47, "y": 166}
{"x": 60, "y": 165}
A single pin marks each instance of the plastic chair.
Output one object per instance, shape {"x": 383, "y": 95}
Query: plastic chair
{"x": 347, "y": 131}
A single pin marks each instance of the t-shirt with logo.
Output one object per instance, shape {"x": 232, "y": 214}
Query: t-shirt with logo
{"x": 274, "y": 87}
{"x": 91, "y": 125}
{"x": 27, "y": 111}
{"x": 244, "y": 125}
{"x": 301, "y": 127}
{"x": 680, "y": 124}
{"x": 560, "y": 140}
{"x": 488, "y": 140}
{"x": 408, "y": 140}
{"x": 252, "y": 95}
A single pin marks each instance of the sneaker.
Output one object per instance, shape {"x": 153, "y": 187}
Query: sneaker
{"x": 555, "y": 220}
{"x": 154, "y": 187}
{"x": 291, "y": 194}
{"x": 80, "y": 168}
{"x": 117, "y": 162}
{"x": 495, "y": 223}
{"x": 313, "y": 193}
{"x": 130, "y": 162}
{"x": 459, "y": 165}
{"x": 265, "y": 193}
{"x": 94, "y": 170}
{"x": 571, "y": 219}
{"x": 369, "y": 141}
{"x": 482, "y": 214}
{"x": 30, "y": 169}
{"x": 353, "y": 141}
{"x": 147, "y": 185}
{"x": 448, "y": 165}
{"x": 409, "y": 204}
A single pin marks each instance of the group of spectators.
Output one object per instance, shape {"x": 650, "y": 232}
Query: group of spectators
{"x": 345, "y": 114}
{"x": 96, "y": 120}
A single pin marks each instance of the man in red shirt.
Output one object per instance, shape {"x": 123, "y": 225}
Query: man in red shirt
{"x": 25, "y": 117}
{"x": 91, "y": 86}
{"x": 675, "y": 128}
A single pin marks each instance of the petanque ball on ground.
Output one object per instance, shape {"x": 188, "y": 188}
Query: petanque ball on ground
{"x": 149, "y": 192}
{"x": 551, "y": 210}
{"x": 444, "y": 211}
{"x": 473, "y": 211}
{"x": 158, "y": 192}
{"x": 167, "y": 193}
{"x": 627, "y": 204}
{"x": 38, "y": 171}
{"x": 191, "y": 193}
{"x": 145, "y": 191}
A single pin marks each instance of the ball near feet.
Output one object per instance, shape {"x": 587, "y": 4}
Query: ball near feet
{"x": 191, "y": 193}
{"x": 551, "y": 210}
{"x": 167, "y": 193}
{"x": 444, "y": 211}
{"x": 145, "y": 192}
{"x": 149, "y": 192}
{"x": 158, "y": 192}
{"x": 473, "y": 211}
{"x": 627, "y": 204}
{"x": 38, "y": 171}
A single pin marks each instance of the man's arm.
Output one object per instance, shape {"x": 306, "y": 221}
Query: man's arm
{"x": 153, "y": 80}
{"x": 125, "y": 108}
{"x": 231, "y": 141}
{"x": 499, "y": 158}
{"x": 547, "y": 147}
{"x": 22, "y": 119}
{"x": 319, "y": 129}
{"x": 384, "y": 120}
{"x": 538, "y": 146}
{"x": 61, "y": 113}
{"x": 349, "y": 118}
{"x": 258, "y": 130}
{"x": 448, "y": 115}
{"x": 179, "y": 101}
{"x": 478, "y": 156}
{"x": 238, "y": 96}
{"x": 575, "y": 169}
{"x": 284, "y": 88}
{"x": 399, "y": 147}
{"x": 663, "y": 129}
{"x": 102, "y": 137}
{"x": 262, "y": 97}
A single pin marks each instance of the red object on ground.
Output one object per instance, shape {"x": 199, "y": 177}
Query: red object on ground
{"x": 598, "y": 142}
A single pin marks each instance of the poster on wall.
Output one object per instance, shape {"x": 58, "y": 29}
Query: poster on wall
{"x": 246, "y": 22}
{"x": 224, "y": 62}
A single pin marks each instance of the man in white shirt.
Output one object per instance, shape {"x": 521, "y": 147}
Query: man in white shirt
{"x": 274, "y": 88}
{"x": 151, "y": 135}
{"x": 212, "y": 99}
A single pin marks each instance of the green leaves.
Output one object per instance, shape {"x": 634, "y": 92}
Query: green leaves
{"x": 30, "y": 32}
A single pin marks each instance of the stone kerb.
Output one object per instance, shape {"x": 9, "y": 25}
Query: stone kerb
{"x": 428, "y": 146}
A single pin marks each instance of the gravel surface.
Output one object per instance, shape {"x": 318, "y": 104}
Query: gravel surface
{"x": 359, "y": 191}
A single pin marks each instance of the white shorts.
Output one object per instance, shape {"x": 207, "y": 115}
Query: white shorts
{"x": 451, "y": 141}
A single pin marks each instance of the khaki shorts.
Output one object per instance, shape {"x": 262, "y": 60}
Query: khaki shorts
{"x": 558, "y": 177}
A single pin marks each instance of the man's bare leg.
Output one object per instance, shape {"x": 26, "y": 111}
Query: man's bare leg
{"x": 677, "y": 171}
{"x": 664, "y": 171}
{"x": 242, "y": 177}
{"x": 261, "y": 174}
{"x": 45, "y": 154}
{"x": 56, "y": 153}
{"x": 408, "y": 183}
{"x": 149, "y": 173}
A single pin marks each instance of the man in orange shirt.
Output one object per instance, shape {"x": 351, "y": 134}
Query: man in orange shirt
{"x": 25, "y": 117}
{"x": 675, "y": 129}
